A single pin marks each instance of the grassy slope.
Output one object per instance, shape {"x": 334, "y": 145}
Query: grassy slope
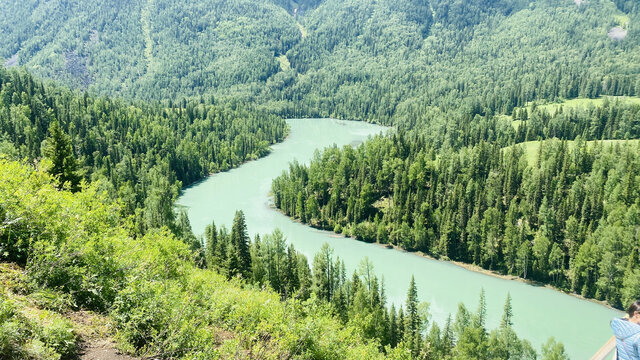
{"x": 575, "y": 104}
{"x": 532, "y": 148}
{"x": 585, "y": 103}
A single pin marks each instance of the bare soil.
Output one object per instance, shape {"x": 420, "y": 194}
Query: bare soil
{"x": 95, "y": 337}
{"x": 102, "y": 350}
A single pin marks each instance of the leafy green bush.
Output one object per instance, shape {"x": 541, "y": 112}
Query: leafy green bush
{"x": 40, "y": 335}
{"x": 52, "y": 300}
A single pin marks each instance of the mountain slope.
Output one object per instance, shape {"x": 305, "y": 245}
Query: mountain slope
{"x": 361, "y": 59}
{"x": 137, "y": 48}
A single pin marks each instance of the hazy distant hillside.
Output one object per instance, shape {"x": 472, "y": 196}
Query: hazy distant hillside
{"x": 360, "y": 59}
{"x": 136, "y": 48}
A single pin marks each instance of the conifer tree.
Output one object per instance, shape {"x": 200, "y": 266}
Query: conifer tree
{"x": 211, "y": 239}
{"x": 393, "y": 327}
{"x": 507, "y": 315}
{"x": 240, "y": 242}
{"x": 324, "y": 273}
{"x": 412, "y": 320}
{"x": 59, "y": 149}
{"x": 481, "y": 314}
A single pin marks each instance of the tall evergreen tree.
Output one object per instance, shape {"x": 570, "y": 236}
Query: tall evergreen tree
{"x": 240, "y": 242}
{"x": 507, "y": 315}
{"x": 412, "y": 319}
{"x": 211, "y": 244}
{"x": 59, "y": 149}
{"x": 324, "y": 273}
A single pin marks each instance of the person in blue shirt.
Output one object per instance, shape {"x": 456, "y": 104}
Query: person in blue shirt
{"x": 627, "y": 333}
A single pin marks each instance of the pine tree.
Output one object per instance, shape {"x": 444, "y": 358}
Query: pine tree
{"x": 161, "y": 193}
{"x": 292, "y": 279}
{"x": 433, "y": 343}
{"x": 211, "y": 238}
{"x": 447, "y": 337}
{"x": 393, "y": 327}
{"x": 401, "y": 321}
{"x": 184, "y": 232}
{"x": 461, "y": 321}
{"x": 240, "y": 242}
{"x": 58, "y": 148}
{"x": 481, "y": 314}
{"x": 324, "y": 273}
{"x": 258, "y": 271}
{"x": 412, "y": 321}
{"x": 507, "y": 315}
{"x": 232, "y": 263}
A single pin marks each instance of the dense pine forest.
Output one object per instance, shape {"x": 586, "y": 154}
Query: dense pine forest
{"x": 564, "y": 211}
{"x": 385, "y": 61}
{"x": 164, "y": 302}
{"x": 515, "y": 148}
{"x": 142, "y": 154}
{"x": 89, "y": 224}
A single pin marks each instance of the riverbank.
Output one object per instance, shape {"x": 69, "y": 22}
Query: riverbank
{"x": 469, "y": 267}
{"x": 481, "y": 270}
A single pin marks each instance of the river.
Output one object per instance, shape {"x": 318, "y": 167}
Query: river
{"x": 539, "y": 312}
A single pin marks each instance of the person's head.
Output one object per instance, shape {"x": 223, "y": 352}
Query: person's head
{"x": 634, "y": 312}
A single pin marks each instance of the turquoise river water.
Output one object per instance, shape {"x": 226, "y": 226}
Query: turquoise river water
{"x": 540, "y": 312}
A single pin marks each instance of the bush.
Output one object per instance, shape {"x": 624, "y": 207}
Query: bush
{"x": 42, "y": 335}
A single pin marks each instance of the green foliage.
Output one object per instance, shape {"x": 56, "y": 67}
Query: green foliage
{"x": 62, "y": 249}
{"x": 161, "y": 302}
{"x": 57, "y": 148}
{"x": 567, "y": 218}
{"x": 389, "y": 61}
{"x": 284, "y": 269}
{"x": 553, "y": 350}
{"x": 452, "y": 182}
{"x": 240, "y": 243}
{"x": 142, "y": 153}
{"x": 40, "y": 336}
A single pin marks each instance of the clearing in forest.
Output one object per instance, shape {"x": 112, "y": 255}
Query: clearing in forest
{"x": 532, "y": 148}
{"x": 575, "y": 104}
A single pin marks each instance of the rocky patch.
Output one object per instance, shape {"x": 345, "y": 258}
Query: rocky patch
{"x": 617, "y": 33}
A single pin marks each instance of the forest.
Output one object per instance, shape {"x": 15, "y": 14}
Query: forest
{"x": 564, "y": 212}
{"x": 141, "y": 153}
{"x": 385, "y": 61}
{"x": 109, "y": 109}
{"x": 89, "y": 224}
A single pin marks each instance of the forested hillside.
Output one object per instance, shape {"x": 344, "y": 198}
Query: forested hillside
{"x": 488, "y": 165}
{"x": 563, "y": 212}
{"x": 144, "y": 153}
{"x": 369, "y": 60}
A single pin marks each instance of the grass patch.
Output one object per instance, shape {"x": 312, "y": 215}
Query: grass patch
{"x": 532, "y": 148}
{"x": 28, "y": 331}
{"x": 284, "y": 63}
{"x": 622, "y": 21}
{"x": 573, "y": 104}
{"x": 582, "y": 103}
{"x": 303, "y": 31}
{"x": 516, "y": 124}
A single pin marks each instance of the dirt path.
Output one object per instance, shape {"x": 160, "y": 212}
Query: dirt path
{"x": 102, "y": 350}
{"x": 96, "y": 342}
